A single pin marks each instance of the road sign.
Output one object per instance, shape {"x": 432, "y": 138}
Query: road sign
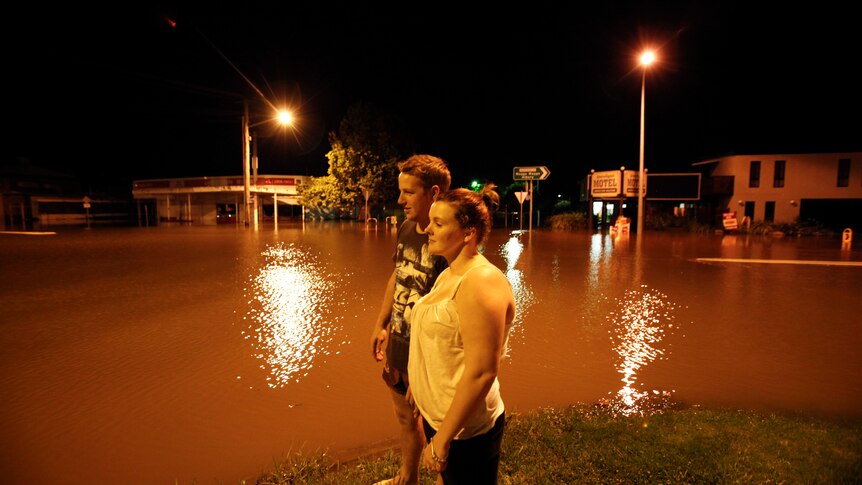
{"x": 728, "y": 219}
{"x": 530, "y": 173}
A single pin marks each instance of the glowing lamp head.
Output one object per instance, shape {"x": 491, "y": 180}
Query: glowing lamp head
{"x": 285, "y": 118}
{"x": 647, "y": 58}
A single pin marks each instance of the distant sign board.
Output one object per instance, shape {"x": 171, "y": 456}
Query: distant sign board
{"x": 630, "y": 183}
{"x": 728, "y": 219}
{"x": 530, "y": 173}
{"x": 657, "y": 186}
{"x": 606, "y": 184}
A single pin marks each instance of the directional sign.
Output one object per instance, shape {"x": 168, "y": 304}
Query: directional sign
{"x": 530, "y": 173}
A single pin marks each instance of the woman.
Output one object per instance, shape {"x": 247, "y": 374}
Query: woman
{"x": 459, "y": 333}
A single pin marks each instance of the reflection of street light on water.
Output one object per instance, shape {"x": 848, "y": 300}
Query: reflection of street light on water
{"x": 639, "y": 325}
{"x": 289, "y": 324}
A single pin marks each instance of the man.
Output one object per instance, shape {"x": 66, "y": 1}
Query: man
{"x": 421, "y": 179}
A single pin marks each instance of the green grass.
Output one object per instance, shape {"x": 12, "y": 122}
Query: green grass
{"x": 586, "y": 444}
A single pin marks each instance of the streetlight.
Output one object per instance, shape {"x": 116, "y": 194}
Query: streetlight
{"x": 647, "y": 58}
{"x": 283, "y": 117}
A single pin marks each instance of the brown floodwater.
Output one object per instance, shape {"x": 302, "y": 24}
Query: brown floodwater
{"x": 179, "y": 355}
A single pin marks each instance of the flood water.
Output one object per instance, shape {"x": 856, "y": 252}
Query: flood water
{"x": 179, "y": 355}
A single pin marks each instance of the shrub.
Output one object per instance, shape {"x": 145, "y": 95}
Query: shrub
{"x": 563, "y": 206}
{"x": 570, "y": 221}
{"x": 796, "y": 228}
{"x": 663, "y": 222}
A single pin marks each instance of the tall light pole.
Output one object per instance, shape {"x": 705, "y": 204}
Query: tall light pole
{"x": 246, "y": 163}
{"x": 283, "y": 117}
{"x": 286, "y": 119}
{"x": 647, "y": 58}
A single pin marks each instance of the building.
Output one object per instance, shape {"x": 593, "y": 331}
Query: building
{"x": 783, "y": 188}
{"x": 821, "y": 188}
{"x": 34, "y": 197}
{"x": 216, "y": 200}
{"x": 614, "y": 193}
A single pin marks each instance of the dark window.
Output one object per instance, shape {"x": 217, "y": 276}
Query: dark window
{"x": 843, "y": 172}
{"x": 778, "y": 180}
{"x": 749, "y": 209}
{"x": 754, "y": 174}
{"x": 769, "y": 211}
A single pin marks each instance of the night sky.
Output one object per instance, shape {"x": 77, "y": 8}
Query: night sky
{"x": 117, "y": 94}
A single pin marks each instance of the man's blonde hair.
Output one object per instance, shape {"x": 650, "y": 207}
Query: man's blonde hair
{"x": 429, "y": 169}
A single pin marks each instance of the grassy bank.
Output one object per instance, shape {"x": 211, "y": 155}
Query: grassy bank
{"x": 585, "y": 444}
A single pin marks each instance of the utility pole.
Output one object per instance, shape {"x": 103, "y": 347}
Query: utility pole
{"x": 246, "y": 163}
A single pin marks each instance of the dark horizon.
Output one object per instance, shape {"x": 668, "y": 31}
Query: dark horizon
{"x": 113, "y": 96}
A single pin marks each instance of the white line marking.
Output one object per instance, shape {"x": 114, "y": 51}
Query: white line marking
{"x": 780, "y": 261}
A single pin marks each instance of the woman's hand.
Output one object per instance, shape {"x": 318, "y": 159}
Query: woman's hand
{"x": 433, "y": 459}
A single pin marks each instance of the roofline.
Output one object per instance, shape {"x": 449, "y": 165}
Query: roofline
{"x": 759, "y": 154}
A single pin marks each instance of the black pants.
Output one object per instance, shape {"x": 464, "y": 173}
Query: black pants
{"x": 473, "y": 461}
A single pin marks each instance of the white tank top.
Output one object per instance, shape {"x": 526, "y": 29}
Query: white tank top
{"x": 437, "y": 361}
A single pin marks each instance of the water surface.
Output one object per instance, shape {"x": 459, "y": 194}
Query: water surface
{"x": 175, "y": 355}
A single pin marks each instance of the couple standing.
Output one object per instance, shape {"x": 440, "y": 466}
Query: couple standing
{"x": 450, "y": 310}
